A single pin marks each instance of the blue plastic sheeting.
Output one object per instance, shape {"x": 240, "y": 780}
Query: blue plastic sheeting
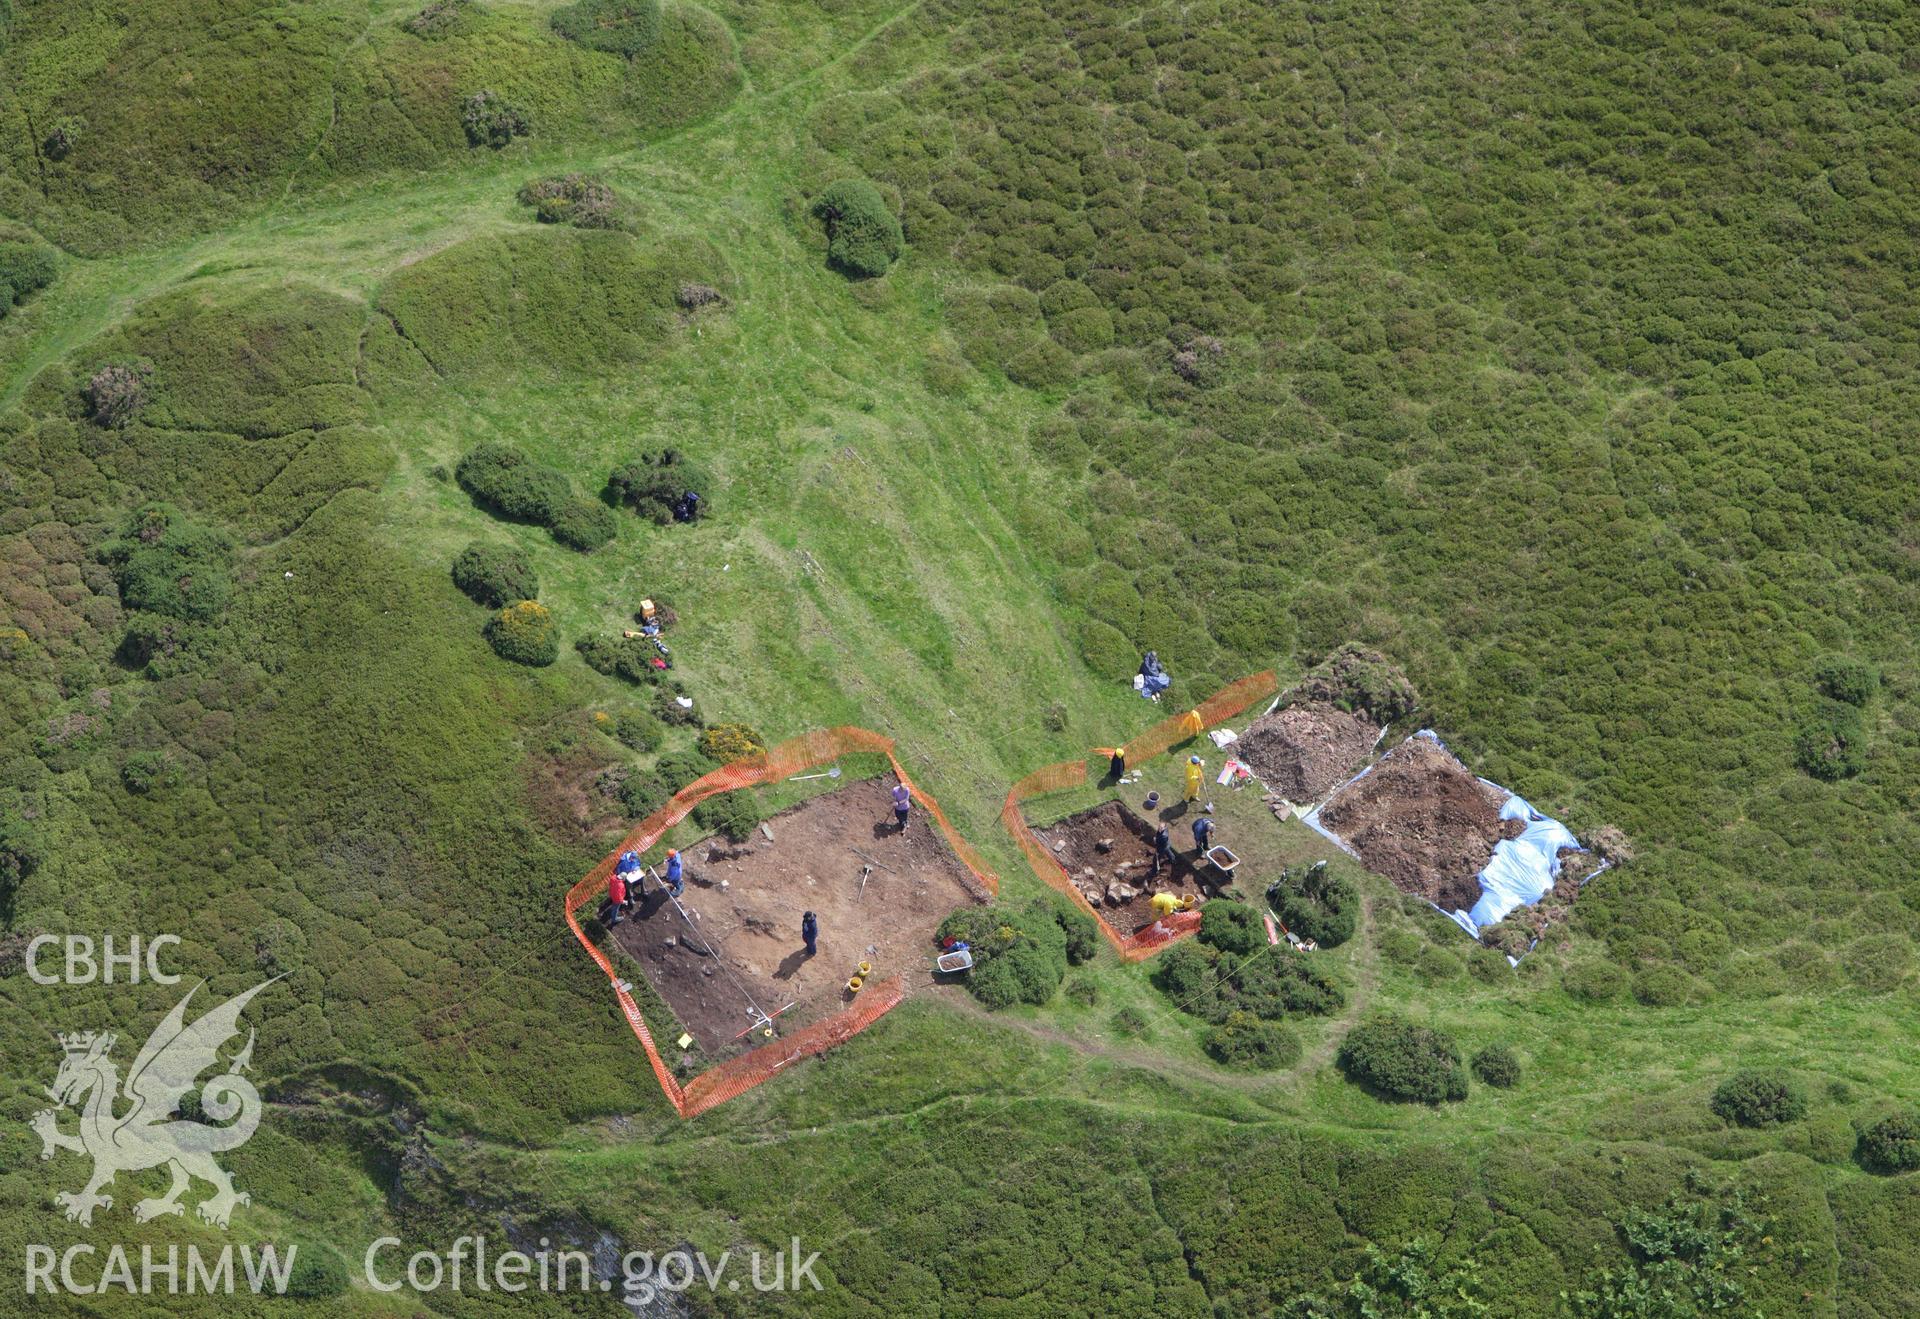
{"x": 1521, "y": 871}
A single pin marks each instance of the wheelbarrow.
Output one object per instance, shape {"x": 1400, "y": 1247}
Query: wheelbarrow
{"x": 956, "y": 962}
{"x": 1223, "y": 860}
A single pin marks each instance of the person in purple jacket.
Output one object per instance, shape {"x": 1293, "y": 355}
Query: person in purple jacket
{"x": 902, "y": 799}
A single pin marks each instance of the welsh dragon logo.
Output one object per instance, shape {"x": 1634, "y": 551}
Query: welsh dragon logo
{"x": 150, "y": 1133}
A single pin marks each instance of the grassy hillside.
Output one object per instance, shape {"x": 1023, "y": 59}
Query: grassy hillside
{"x": 123, "y": 125}
{"x": 1570, "y": 362}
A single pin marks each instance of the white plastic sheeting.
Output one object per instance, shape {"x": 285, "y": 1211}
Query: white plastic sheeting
{"x": 1521, "y": 871}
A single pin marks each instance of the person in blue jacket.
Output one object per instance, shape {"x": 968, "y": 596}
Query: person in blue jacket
{"x": 1202, "y": 835}
{"x": 810, "y": 932}
{"x": 630, "y": 871}
{"x": 676, "y": 885}
{"x": 1162, "y": 850}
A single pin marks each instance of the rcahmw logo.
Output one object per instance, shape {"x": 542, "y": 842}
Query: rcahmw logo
{"x": 156, "y": 1270}
{"x": 135, "y": 1126}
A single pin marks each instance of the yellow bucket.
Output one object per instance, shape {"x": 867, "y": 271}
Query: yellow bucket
{"x": 853, "y": 985}
{"x": 866, "y": 968}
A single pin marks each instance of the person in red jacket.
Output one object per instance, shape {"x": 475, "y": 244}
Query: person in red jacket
{"x": 616, "y": 904}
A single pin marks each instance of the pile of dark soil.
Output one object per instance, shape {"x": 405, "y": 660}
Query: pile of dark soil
{"x": 1303, "y": 751}
{"x": 1575, "y": 869}
{"x": 1355, "y": 678}
{"x": 1422, "y": 820}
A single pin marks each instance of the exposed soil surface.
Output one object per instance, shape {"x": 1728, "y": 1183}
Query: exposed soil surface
{"x": 1107, "y": 852}
{"x": 1422, "y": 820}
{"x": 1304, "y": 751}
{"x": 740, "y": 937}
{"x": 1576, "y": 868}
{"x": 1355, "y": 678}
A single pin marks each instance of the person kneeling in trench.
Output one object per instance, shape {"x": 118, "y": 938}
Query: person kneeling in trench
{"x": 1162, "y": 850}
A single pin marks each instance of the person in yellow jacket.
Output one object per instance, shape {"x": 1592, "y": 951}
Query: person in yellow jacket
{"x": 1165, "y": 904}
{"x": 1194, "y": 767}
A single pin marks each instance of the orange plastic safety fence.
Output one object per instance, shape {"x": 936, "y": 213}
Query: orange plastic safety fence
{"x": 985, "y": 883}
{"x": 1068, "y": 774}
{"x": 1051, "y": 778}
{"x": 1164, "y": 931}
{"x": 1222, "y": 705}
{"x": 737, "y": 1075}
{"x": 795, "y": 756}
{"x": 1231, "y": 699}
{"x": 1132, "y": 947}
{"x": 632, "y": 1012}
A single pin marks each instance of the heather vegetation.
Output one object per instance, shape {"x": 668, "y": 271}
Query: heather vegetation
{"x": 115, "y": 394}
{"x": 1223, "y": 973}
{"x": 1563, "y": 359}
{"x": 26, "y": 267}
{"x": 654, "y": 485}
{"x": 580, "y": 200}
{"x": 1398, "y": 1058}
{"x": 1363, "y": 317}
{"x": 495, "y": 575}
{"x": 491, "y": 120}
{"x": 863, "y": 235}
{"x": 1020, "y": 955}
{"x": 505, "y": 481}
{"x": 285, "y": 100}
{"x": 619, "y": 27}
